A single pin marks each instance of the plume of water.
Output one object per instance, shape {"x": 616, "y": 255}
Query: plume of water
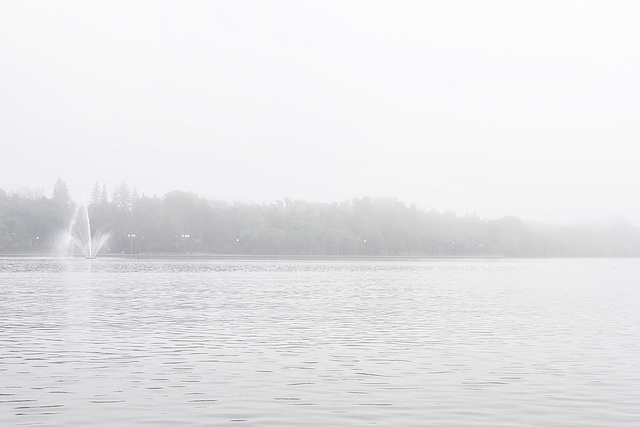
{"x": 78, "y": 239}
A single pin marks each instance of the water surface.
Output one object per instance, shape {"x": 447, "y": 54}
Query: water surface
{"x": 320, "y": 342}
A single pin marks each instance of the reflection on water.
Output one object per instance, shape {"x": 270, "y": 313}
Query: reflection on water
{"x": 338, "y": 342}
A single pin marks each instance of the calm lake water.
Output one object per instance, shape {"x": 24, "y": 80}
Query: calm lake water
{"x": 320, "y": 342}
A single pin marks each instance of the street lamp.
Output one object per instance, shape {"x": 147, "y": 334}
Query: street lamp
{"x": 365, "y": 246}
{"x": 185, "y": 236}
{"x": 131, "y": 236}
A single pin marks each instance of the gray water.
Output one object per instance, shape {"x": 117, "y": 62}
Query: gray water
{"x": 320, "y": 342}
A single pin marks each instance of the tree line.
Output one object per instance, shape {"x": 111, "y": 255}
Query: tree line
{"x": 183, "y": 222}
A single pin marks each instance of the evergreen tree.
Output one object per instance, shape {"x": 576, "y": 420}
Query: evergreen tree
{"x": 122, "y": 197}
{"x": 61, "y": 196}
{"x": 104, "y": 196}
{"x": 95, "y": 195}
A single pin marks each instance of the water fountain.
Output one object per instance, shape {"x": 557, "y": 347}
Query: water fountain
{"x": 77, "y": 237}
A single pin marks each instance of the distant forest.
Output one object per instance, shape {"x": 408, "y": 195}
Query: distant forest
{"x": 182, "y": 222}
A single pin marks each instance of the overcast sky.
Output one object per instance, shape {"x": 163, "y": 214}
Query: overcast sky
{"x": 492, "y": 108}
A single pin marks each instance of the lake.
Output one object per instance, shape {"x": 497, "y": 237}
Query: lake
{"x": 336, "y": 342}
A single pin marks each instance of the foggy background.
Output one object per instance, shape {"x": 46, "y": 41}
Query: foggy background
{"x": 492, "y": 108}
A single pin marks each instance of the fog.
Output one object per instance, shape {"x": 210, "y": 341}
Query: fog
{"x": 491, "y": 109}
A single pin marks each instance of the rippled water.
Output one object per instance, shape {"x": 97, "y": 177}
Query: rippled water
{"x": 325, "y": 342}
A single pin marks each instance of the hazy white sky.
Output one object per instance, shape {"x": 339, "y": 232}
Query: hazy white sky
{"x": 493, "y": 108}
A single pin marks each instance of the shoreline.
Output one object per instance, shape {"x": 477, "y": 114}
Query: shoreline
{"x": 204, "y": 256}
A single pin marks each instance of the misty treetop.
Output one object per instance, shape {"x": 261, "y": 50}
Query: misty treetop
{"x": 183, "y": 222}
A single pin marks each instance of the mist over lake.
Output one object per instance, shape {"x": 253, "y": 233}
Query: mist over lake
{"x": 480, "y": 109}
{"x": 319, "y": 213}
